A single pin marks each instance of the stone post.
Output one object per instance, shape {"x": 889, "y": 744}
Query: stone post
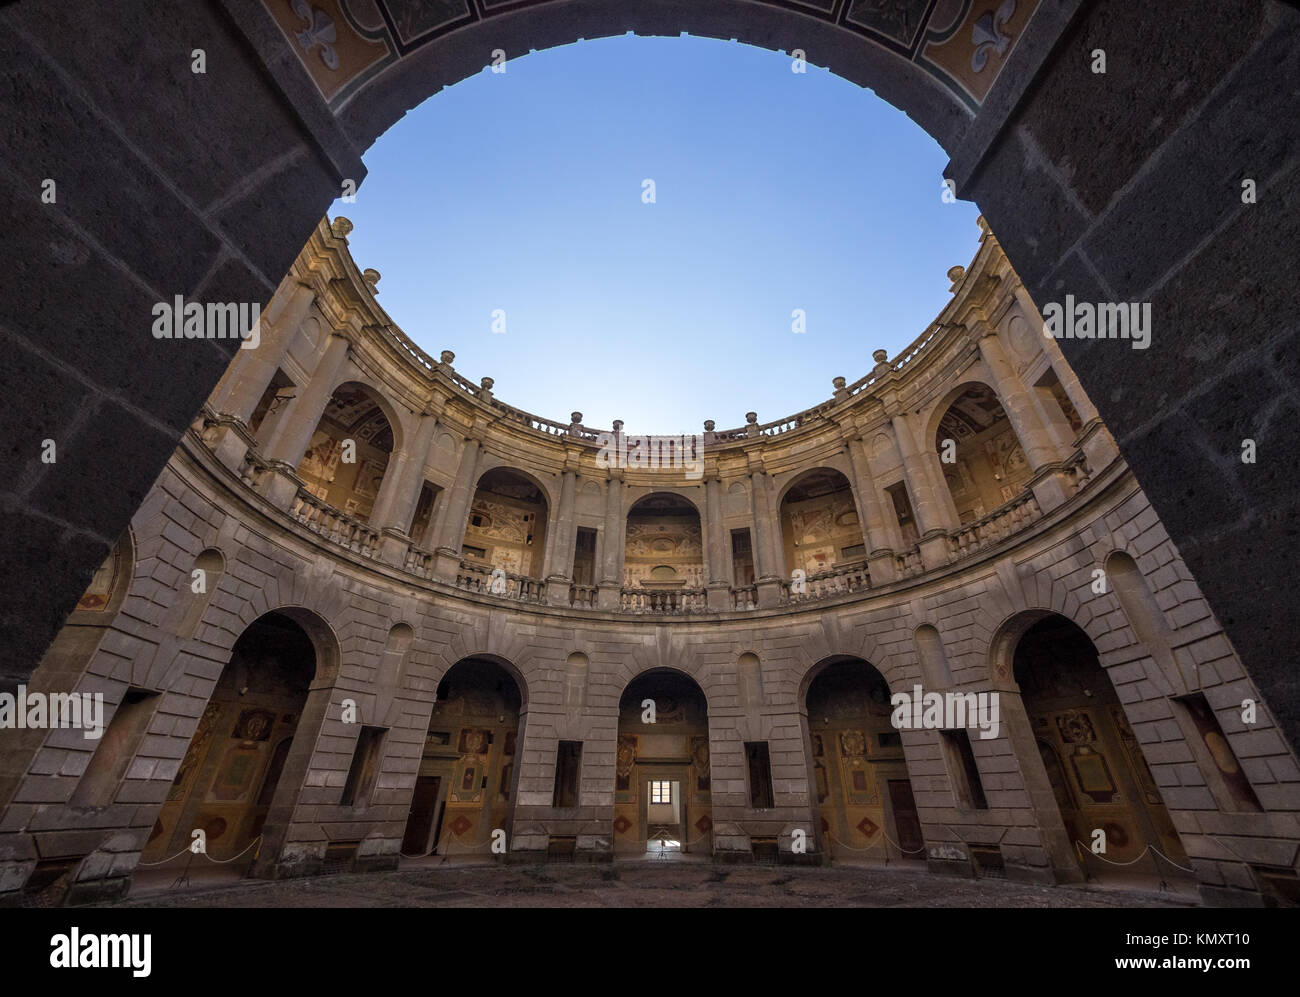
{"x": 768, "y": 567}
{"x": 408, "y": 477}
{"x": 287, "y": 445}
{"x": 610, "y": 591}
{"x": 880, "y": 551}
{"x": 1048, "y": 484}
{"x": 452, "y": 531}
{"x": 719, "y": 586}
{"x": 930, "y": 514}
{"x": 252, "y": 372}
{"x": 559, "y": 572}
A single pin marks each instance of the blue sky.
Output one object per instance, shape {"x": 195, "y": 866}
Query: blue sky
{"x": 522, "y": 191}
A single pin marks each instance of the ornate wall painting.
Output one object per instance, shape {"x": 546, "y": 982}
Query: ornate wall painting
{"x": 100, "y": 589}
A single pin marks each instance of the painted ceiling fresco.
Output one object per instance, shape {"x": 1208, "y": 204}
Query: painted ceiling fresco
{"x": 347, "y": 44}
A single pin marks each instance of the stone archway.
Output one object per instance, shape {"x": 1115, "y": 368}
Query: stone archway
{"x": 662, "y": 775}
{"x": 235, "y": 767}
{"x": 862, "y": 793}
{"x": 1104, "y": 791}
{"x": 468, "y": 777}
{"x": 1131, "y": 226}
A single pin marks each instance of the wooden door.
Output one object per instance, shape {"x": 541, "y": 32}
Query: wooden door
{"x": 424, "y": 806}
{"x": 907, "y": 822}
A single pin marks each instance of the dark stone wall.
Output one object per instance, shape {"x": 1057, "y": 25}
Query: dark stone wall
{"x": 168, "y": 182}
{"x": 1127, "y": 187}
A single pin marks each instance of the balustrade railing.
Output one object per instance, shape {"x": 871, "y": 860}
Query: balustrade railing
{"x": 851, "y": 576}
{"x": 475, "y": 577}
{"x": 908, "y": 564}
{"x": 744, "y": 597}
{"x": 334, "y": 525}
{"x": 583, "y": 596}
{"x": 419, "y": 561}
{"x": 999, "y": 524}
{"x": 663, "y": 601}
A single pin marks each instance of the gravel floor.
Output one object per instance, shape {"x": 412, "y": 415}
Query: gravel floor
{"x": 641, "y": 884}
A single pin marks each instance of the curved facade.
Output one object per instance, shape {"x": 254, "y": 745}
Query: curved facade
{"x": 369, "y": 610}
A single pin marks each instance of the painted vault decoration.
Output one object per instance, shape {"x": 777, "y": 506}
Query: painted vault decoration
{"x": 346, "y": 44}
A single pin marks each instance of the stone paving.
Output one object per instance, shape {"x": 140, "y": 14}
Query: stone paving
{"x": 645, "y": 884}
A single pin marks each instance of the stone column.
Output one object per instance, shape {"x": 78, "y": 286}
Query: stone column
{"x": 880, "y": 551}
{"x": 1094, "y": 438}
{"x": 1073, "y": 389}
{"x": 559, "y": 571}
{"x": 1015, "y": 398}
{"x": 407, "y": 470}
{"x": 285, "y": 448}
{"x": 251, "y": 373}
{"x": 769, "y": 568}
{"x": 1048, "y": 484}
{"x": 609, "y": 594}
{"x": 451, "y": 534}
{"x": 930, "y": 513}
{"x": 719, "y": 585}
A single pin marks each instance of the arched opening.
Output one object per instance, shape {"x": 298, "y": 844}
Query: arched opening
{"x": 466, "y": 785}
{"x": 820, "y": 528}
{"x": 235, "y": 763}
{"x": 983, "y": 462}
{"x": 663, "y": 554}
{"x": 863, "y": 792}
{"x": 506, "y": 528}
{"x": 1108, "y": 800}
{"x": 663, "y": 801}
{"x": 345, "y": 461}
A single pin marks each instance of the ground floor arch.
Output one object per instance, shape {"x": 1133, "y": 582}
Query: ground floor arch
{"x": 663, "y": 799}
{"x": 466, "y": 785}
{"x": 235, "y": 778}
{"x": 862, "y": 792}
{"x": 1116, "y": 823}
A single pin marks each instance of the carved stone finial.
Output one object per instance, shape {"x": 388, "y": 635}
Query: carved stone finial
{"x": 955, "y": 274}
{"x": 341, "y": 227}
{"x": 880, "y": 356}
{"x": 751, "y": 417}
{"x": 371, "y": 277}
{"x": 618, "y": 425}
{"x": 708, "y": 425}
{"x": 575, "y": 418}
{"x": 486, "y": 383}
{"x": 838, "y": 383}
{"x": 447, "y": 357}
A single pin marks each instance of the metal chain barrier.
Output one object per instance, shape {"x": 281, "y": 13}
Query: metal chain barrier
{"x": 204, "y": 854}
{"x": 1084, "y": 852}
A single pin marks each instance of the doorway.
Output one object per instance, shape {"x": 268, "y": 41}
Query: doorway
{"x": 425, "y": 817}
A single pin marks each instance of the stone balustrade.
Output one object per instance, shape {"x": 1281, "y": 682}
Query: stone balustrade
{"x": 473, "y": 576}
{"x": 583, "y": 596}
{"x": 334, "y": 525}
{"x": 840, "y": 579}
{"x": 999, "y": 524}
{"x": 662, "y": 601}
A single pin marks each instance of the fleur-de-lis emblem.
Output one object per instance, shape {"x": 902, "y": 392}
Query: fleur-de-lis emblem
{"x": 320, "y": 31}
{"x": 987, "y": 34}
